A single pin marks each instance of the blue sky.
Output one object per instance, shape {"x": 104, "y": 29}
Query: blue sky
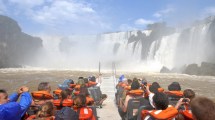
{"x": 67, "y": 17}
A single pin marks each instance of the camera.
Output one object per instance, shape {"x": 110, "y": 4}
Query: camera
{"x": 185, "y": 100}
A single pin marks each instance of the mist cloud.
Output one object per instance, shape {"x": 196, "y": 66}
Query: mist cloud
{"x": 143, "y": 21}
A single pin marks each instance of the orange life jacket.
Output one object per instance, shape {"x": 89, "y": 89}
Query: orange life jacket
{"x": 89, "y": 101}
{"x": 127, "y": 87}
{"x": 176, "y": 93}
{"x": 167, "y": 114}
{"x": 86, "y": 113}
{"x": 64, "y": 103}
{"x": 160, "y": 90}
{"x": 41, "y": 95}
{"x": 77, "y": 87}
{"x": 135, "y": 92}
{"x": 76, "y": 93}
{"x": 57, "y": 91}
{"x": 90, "y": 84}
{"x": 187, "y": 114}
{"x": 72, "y": 85}
{"x": 32, "y": 117}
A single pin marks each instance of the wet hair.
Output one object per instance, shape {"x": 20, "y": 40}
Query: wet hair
{"x": 65, "y": 93}
{"x": 80, "y": 101}
{"x": 161, "y": 101}
{"x": 203, "y": 108}
{"x": 175, "y": 86}
{"x": 135, "y": 85}
{"x": 46, "y": 110}
{"x": 188, "y": 93}
{"x": 84, "y": 91}
{"x": 43, "y": 86}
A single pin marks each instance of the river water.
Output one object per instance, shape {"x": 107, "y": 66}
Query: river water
{"x": 12, "y": 79}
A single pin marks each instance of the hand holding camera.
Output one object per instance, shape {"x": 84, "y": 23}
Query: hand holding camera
{"x": 22, "y": 89}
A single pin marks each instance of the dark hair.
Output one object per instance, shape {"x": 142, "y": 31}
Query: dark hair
{"x": 3, "y": 91}
{"x": 46, "y": 110}
{"x": 43, "y": 86}
{"x": 65, "y": 93}
{"x": 156, "y": 84}
{"x": 84, "y": 91}
{"x": 161, "y": 101}
{"x": 71, "y": 81}
{"x": 80, "y": 101}
{"x": 188, "y": 93}
{"x": 129, "y": 81}
{"x": 203, "y": 108}
{"x": 175, "y": 86}
{"x": 135, "y": 79}
{"x": 135, "y": 85}
{"x": 80, "y": 77}
{"x": 153, "y": 89}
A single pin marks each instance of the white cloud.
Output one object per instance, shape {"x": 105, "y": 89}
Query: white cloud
{"x": 55, "y": 14}
{"x": 209, "y": 11}
{"x": 142, "y": 21}
{"x": 163, "y": 12}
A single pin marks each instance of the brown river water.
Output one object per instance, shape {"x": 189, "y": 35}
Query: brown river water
{"x": 12, "y": 79}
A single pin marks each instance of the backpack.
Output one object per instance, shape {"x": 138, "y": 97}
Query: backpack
{"x": 66, "y": 113}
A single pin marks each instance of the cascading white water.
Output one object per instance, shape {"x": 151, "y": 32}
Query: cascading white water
{"x": 85, "y": 52}
{"x": 195, "y": 48}
{"x": 163, "y": 51}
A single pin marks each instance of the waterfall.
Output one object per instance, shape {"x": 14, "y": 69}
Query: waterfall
{"x": 145, "y": 50}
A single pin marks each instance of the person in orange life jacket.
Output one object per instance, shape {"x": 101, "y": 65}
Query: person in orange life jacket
{"x": 123, "y": 106}
{"x": 44, "y": 89}
{"x": 65, "y": 99}
{"x": 120, "y": 81}
{"x": 174, "y": 86}
{"x": 174, "y": 92}
{"x": 79, "y": 101}
{"x": 203, "y": 108}
{"x": 126, "y": 89}
{"x": 188, "y": 96}
{"x": 12, "y": 110}
{"x": 161, "y": 102}
{"x": 84, "y": 91}
{"x": 46, "y": 112}
{"x": 85, "y": 113}
{"x": 183, "y": 105}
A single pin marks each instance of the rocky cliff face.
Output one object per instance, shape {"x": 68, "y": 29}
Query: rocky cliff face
{"x": 16, "y": 47}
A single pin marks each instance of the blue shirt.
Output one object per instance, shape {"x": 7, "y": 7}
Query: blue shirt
{"x": 14, "y": 110}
